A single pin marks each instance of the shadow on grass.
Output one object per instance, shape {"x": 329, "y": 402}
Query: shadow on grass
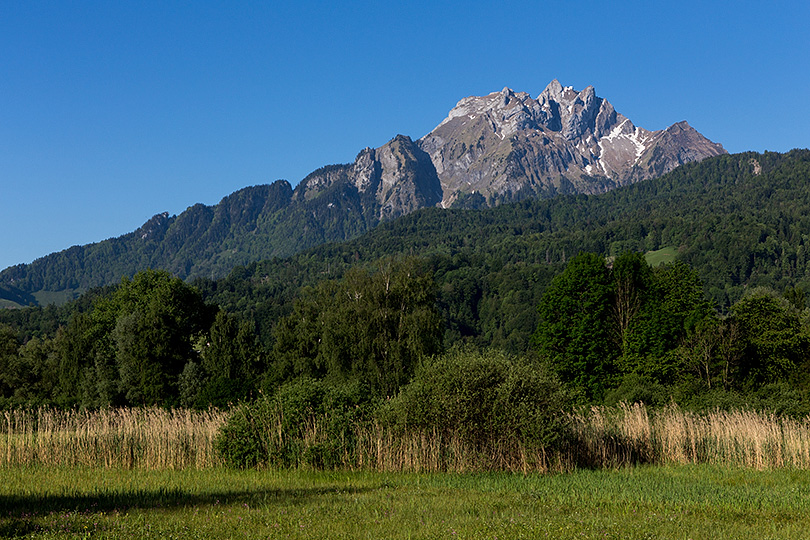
{"x": 26, "y": 515}
{"x": 35, "y": 505}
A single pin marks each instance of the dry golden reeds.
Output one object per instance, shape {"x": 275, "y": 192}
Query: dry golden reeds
{"x": 376, "y": 447}
{"x": 627, "y": 434}
{"x": 600, "y": 437}
{"x": 143, "y": 438}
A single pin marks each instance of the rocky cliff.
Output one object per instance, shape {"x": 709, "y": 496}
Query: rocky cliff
{"x": 507, "y": 146}
{"x": 392, "y": 180}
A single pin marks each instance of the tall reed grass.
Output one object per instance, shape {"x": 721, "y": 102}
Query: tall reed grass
{"x": 384, "y": 450}
{"x": 600, "y": 437}
{"x": 371, "y": 446}
{"x": 629, "y": 434}
{"x": 131, "y": 438}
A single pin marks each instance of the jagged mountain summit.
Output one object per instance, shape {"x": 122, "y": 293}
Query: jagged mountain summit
{"x": 489, "y": 150}
{"x": 391, "y": 181}
{"x": 507, "y": 146}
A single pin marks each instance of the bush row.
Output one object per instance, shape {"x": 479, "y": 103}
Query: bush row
{"x": 486, "y": 402}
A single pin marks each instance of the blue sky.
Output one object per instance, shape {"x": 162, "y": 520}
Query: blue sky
{"x": 111, "y": 112}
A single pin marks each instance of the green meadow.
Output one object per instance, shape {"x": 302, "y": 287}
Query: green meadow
{"x": 152, "y": 473}
{"x": 661, "y": 256}
{"x": 685, "y": 501}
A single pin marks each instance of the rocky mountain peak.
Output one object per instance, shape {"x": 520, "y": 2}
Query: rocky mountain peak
{"x": 498, "y": 106}
{"x": 507, "y": 146}
{"x": 573, "y": 113}
{"x": 392, "y": 180}
{"x": 556, "y": 92}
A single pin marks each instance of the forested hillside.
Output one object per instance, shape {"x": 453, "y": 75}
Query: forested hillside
{"x": 562, "y": 280}
{"x": 253, "y": 223}
{"x": 738, "y": 221}
{"x": 564, "y": 142}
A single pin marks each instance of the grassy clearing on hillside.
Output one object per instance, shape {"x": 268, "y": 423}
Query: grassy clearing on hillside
{"x": 643, "y": 502}
{"x": 661, "y": 256}
{"x": 58, "y": 298}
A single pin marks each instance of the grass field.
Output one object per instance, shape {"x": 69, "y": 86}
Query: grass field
{"x": 686, "y": 501}
{"x": 661, "y": 256}
{"x": 151, "y": 473}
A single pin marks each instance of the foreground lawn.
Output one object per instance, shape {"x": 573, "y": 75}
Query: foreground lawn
{"x": 646, "y": 502}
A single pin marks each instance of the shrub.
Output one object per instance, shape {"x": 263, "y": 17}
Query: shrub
{"x": 466, "y": 410}
{"x": 486, "y": 398}
{"x": 243, "y": 440}
{"x": 636, "y": 388}
{"x": 306, "y": 422}
{"x": 783, "y": 399}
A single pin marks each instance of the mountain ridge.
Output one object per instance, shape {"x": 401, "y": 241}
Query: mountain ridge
{"x": 489, "y": 150}
{"x": 507, "y": 146}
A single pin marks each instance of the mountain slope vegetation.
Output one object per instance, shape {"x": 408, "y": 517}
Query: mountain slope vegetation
{"x": 561, "y": 283}
{"x": 333, "y": 203}
{"x": 490, "y": 150}
{"x": 739, "y": 220}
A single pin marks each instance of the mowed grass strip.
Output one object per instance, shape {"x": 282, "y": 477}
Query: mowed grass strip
{"x": 689, "y": 501}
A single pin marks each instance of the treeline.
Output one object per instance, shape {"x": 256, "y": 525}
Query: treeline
{"x": 610, "y": 331}
{"x": 154, "y": 340}
{"x": 738, "y": 221}
{"x": 607, "y": 329}
{"x": 623, "y": 331}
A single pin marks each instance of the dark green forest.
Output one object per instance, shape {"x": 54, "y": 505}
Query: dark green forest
{"x": 556, "y": 290}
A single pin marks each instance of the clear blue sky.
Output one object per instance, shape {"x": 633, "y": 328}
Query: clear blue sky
{"x": 113, "y": 111}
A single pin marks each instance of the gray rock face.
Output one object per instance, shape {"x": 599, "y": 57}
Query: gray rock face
{"x": 392, "y": 180}
{"x": 508, "y": 146}
{"x": 407, "y": 179}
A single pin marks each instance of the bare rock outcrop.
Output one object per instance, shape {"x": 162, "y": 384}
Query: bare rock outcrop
{"x": 507, "y": 146}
